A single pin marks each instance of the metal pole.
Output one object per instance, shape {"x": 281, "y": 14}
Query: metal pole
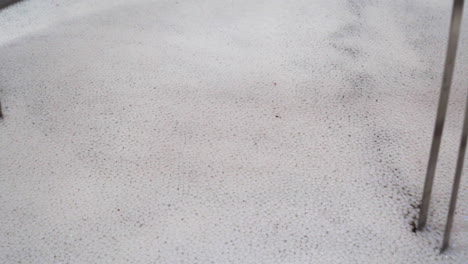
{"x": 456, "y": 182}
{"x": 442, "y": 109}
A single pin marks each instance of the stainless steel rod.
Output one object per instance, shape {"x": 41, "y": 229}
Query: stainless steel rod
{"x": 442, "y": 109}
{"x": 456, "y": 182}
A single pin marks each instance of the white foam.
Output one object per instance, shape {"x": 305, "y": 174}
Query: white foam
{"x": 225, "y": 131}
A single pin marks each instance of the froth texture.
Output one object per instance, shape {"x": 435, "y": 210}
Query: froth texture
{"x": 226, "y": 131}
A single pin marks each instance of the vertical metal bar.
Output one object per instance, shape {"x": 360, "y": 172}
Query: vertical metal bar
{"x": 442, "y": 109}
{"x": 456, "y": 181}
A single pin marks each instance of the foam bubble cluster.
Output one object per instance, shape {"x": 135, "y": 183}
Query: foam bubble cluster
{"x": 225, "y": 131}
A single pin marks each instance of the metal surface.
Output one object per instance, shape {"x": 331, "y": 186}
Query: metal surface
{"x": 442, "y": 109}
{"x": 456, "y": 182}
